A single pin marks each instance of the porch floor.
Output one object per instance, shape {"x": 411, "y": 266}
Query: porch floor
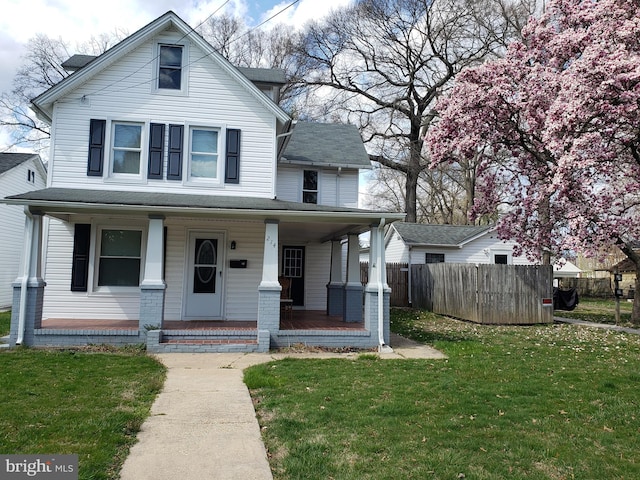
{"x": 301, "y": 320}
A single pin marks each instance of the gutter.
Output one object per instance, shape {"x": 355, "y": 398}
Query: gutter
{"x": 26, "y": 267}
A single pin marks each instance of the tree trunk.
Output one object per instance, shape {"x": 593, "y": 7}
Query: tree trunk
{"x": 633, "y": 255}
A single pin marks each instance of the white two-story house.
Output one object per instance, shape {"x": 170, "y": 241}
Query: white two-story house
{"x": 179, "y": 195}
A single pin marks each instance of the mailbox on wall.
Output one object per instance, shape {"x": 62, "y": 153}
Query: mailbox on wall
{"x": 237, "y": 263}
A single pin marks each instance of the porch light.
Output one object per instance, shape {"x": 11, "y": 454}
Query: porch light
{"x": 233, "y": 244}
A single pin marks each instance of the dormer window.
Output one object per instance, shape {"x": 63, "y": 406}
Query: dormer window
{"x": 170, "y": 67}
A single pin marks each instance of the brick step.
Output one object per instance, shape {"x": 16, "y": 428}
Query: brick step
{"x": 209, "y": 341}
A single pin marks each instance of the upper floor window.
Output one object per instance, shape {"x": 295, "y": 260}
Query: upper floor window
{"x": 127, "y": 148}
{"x": 170, "y": 67}
{"x": 203, "y": 153}
{"x": 310, "y": 186}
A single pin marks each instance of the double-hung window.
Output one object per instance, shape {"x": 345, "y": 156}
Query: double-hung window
{"x": 119, "y": 258}
{"x": 310, "y": 186}
{"x": 170, "y": 67}
{"x": 127, "y": 148}
{"x": 203, "y": 153}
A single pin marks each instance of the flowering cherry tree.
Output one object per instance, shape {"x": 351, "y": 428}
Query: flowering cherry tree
{"x": 556, "y": 124}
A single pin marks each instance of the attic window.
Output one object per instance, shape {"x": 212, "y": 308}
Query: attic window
{"x": 170, "y": 67}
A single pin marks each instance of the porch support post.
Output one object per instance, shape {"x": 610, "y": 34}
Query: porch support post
{"x": 153, "y": 286}
{"x": 377, "y": 292}
{"x": 28, "y": 290}
{"x": 353, "y": 289}
{"x": 269, "y": 288}
{"x": 335, "y": 287}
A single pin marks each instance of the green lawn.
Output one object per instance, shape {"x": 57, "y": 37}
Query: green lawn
{"x": 541, "y": 402}
{"x": 5, "y": 323}
{"x": 599, "y": 310}
{"x": 89, "y": 403}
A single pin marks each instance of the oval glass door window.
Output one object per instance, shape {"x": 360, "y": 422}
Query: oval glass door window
{"x": 205, "y": 266}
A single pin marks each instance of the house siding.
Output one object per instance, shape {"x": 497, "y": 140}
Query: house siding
{"x": 318, "y": 256}
{"x": 13, "y": 182}
{"x": 124, "y": 91}
{"x": 334, "y": 189}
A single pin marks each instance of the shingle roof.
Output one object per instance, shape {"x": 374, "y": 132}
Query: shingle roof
{"x": 326, "y": 144}
{"x": 264, "y": 75}
{"x": 441, "y": 235}
{"x": 11, "y": 160}
{"x": 261, "y": 75}
{"x": 76, "y": 62}
{"x": 158, "y": 199}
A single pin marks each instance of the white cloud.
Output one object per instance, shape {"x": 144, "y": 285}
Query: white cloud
{"x": 304, "y": 11}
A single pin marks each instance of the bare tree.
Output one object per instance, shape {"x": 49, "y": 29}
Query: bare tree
{"x": 257, "y": 48}
{"x": 383, "y": 63}
{"x": 40, "y": 70}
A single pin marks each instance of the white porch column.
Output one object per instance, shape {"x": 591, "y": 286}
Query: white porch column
{"x": 28, "y": 290}
{"x": 377, "y": 293}
{"x": 269, "y": 289}
{"x": 335, "y": 288}
{"x": 153, "y": 286}
{"x": 154, "y": 262}
{"x": 353, "y": 288}
{"x": 270, "y": 255}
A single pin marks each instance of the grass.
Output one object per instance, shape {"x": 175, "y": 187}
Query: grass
{"x": 5, "y": 323}
{"x": 599, "y": 310}
{"x": 90, "y": 403}
{"x": 541, "y": 402}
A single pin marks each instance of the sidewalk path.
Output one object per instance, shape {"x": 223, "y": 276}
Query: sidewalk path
{"x": 203, "y": 424}
{"x": 604, "y": 326}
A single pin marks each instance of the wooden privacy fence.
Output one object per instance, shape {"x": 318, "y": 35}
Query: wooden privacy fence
{"x": 487, "y": 294}
{"x": 397, "y": 278}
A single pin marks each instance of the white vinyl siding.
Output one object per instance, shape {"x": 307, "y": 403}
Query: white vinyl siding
{"x": 334, "y": 190}
{"x": 316, "y": 275}
{"x": 118, "y": 92}
{"x": 481, "y": 251}
{"x": 13, "y": 182}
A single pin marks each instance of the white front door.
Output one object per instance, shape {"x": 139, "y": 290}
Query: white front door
{"x": 203, "y": 292}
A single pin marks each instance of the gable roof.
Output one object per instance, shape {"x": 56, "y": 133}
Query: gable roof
{"x": 425, "y": 235}
{"x": 325, "y": 145}
{"x": 43, "y": 104}
{"x": 11, "y": 160}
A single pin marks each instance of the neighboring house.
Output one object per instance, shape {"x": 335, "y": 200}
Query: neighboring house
{"x": 414, "y": 244}
{"x": 179, "y": 192}
{"x": 19, "y": 173}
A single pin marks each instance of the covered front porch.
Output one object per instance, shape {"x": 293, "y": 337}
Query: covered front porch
{"x": 247, "y": 238}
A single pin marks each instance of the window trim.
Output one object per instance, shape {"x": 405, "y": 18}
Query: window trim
{"x": 221, "y": 149}
{"x": 94, "y": 255}
{"x": 109, "y": 141}
{"x": 444, "y": 257}
{"x": 184, "y": 88}
{"x": 508, "y": 253}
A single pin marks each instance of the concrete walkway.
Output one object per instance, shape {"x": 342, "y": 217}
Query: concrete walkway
{"x": 604, "y": 326}
{"x": 203, "y": 425}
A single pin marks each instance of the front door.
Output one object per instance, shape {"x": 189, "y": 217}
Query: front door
{"x": 204, "y": 276}
{"x": 293, "y": 268}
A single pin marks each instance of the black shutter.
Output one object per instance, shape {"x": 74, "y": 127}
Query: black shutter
{"x": 96, "y": 147}
{"x": 174, "y": 163}
{"x": 80, "y": 263}
{"x": 232, "y": 163}
{"x": 156, "y": 148}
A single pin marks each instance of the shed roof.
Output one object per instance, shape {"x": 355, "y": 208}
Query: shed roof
{"x": 439, "y": 235}
{"x": 316, "y": 144}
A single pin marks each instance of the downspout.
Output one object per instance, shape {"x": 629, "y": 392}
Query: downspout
{"x": 409, "y": 276}
{"x": 26, "y": 267}
{"x": 382, "y": 347}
